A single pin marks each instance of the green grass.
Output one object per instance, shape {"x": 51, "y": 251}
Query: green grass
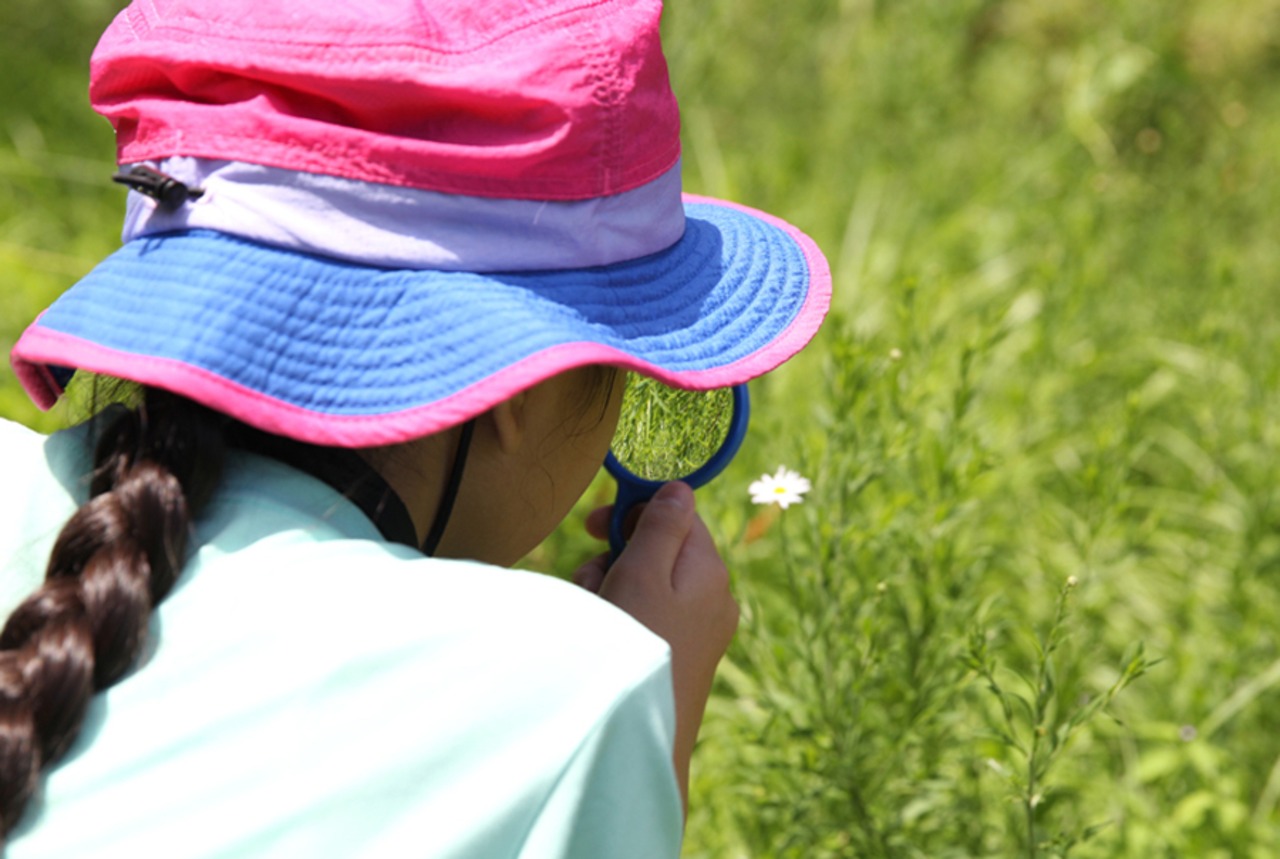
{"x": 59, "y": 212}
{"x": 1052, "y": 358}
{"x": 666, "y": 433}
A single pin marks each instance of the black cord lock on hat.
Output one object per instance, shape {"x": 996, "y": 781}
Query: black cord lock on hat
{"x": 163, "y": 188}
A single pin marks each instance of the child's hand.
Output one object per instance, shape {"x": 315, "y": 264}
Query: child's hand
{"x": 671, "y": 578}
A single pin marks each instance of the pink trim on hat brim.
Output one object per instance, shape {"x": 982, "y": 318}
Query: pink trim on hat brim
{"x": 40, "y": 347}
{"x": 34, "y": 375}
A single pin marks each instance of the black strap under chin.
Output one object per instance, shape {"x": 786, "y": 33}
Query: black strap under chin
{"x": 445, "y": 509}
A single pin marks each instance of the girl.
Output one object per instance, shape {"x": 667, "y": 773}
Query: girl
{"x": 383, "y": 264}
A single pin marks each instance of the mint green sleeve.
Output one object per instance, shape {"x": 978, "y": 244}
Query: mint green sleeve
{"x": 618, "y": 798}
{"x": 313, "y": 691}
{"x": 33, "y": 507}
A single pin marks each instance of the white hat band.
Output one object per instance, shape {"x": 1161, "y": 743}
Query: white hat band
{"x": 397, "y": 227}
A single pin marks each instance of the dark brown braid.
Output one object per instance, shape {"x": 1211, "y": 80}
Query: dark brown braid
{"x": 154, "y": 468}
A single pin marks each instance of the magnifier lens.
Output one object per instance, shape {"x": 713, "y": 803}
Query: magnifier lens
{"x": 667, "y": 434}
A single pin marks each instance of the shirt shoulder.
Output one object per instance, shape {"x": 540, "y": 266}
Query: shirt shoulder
{"x": 44, "y": 483}
{"x": 311, "y": 691}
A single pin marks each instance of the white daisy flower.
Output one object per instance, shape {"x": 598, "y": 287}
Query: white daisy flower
{"x": 784, "y": 488}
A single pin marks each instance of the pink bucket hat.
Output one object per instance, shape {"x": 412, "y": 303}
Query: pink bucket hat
{"x": 389, "y": 216}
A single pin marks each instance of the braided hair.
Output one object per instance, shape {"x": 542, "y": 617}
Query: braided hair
{"x": 117, "y": 557}
{"x": 155, "y": 467}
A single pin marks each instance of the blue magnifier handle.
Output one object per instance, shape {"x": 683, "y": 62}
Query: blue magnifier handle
{"x": 633, "y": 489}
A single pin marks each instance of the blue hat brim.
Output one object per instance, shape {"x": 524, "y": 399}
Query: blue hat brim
{"x": 333, "y": 352}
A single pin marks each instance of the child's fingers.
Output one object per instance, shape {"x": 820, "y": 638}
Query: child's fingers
{"x": 591, "y": 574}
{"x": 598, "y": 522}
{"x": 700, "y": 565}
{"x": 659, "y": 535}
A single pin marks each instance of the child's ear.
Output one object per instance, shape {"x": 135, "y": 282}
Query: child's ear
{"x": 508, "y": 420}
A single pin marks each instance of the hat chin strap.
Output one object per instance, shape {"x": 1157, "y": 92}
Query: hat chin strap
{"x": 450, "y": 497}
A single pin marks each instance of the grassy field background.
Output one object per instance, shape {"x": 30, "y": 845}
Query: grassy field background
{"x": 1030, "y": 607}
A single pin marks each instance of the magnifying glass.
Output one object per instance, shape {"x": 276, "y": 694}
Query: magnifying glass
{"x": 667, "y": 434}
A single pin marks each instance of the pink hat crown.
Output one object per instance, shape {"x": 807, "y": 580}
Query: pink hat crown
{"x": 548, "y": 100}
{"x": 409, "y": 211}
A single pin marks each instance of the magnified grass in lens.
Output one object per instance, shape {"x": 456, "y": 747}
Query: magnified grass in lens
{"x": 665, "y": 433}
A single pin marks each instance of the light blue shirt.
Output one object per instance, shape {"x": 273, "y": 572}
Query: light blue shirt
{"x": 312, "y": 690}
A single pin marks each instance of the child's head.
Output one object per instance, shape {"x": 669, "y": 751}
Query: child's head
{"x": 402, "y": 214}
